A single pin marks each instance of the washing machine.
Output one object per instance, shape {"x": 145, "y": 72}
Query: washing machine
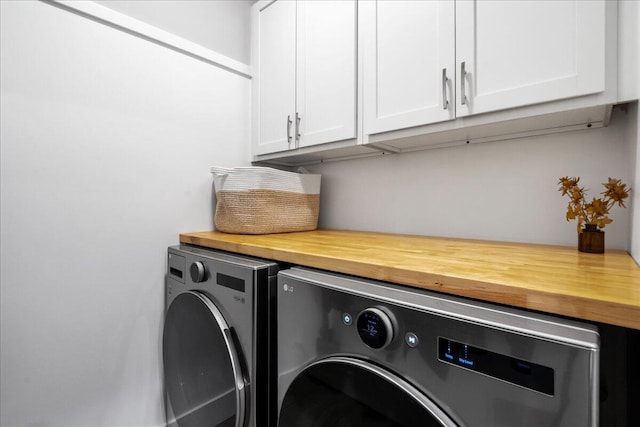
{"x": 216, "y": 352}
{"x": 355, "y": 352}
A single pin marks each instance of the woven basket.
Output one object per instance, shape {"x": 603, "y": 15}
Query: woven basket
{"x": 261, "y": 200}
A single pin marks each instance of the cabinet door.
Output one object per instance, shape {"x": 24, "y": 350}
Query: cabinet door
{"x": 518, "y": 53}
{"x": 275, "y": 74}
{"x": 326, "y": 71}
{"x": 408, "y": 63}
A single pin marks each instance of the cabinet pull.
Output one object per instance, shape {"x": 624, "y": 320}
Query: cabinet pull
{"x": 298, "y": 118}
{"x": 289, "y": 122}
{"x": 463, "y": 75}
{"x": 445, "y": 101}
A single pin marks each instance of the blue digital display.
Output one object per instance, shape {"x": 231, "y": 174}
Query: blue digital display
{"x": 371, "y": 324}
{"x": 466, "y": 362}
{"x": 371, "y": 329}
{"x": 516, "y": 371}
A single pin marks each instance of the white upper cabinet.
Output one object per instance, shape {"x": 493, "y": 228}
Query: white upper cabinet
{"x": 409, "y": 63}
{"x": 305, "y": 84}
{"x": 500, "y": 55}
{"x": 516, "y": 53}
{"x": 275, "y": 91}
{"x": 347, "y": 78}
{"x": 326, "y": 66}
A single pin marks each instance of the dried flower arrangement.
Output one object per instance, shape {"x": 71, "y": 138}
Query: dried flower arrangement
{"x": 596, "y": 212}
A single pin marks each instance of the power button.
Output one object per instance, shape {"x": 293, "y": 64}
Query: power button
{"x": 347, "y": 319}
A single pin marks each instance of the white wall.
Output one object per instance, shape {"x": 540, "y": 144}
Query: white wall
{"x": 497, "y": 190}
{"x": 220, "y": 25}
{"x": 106, "y": 144}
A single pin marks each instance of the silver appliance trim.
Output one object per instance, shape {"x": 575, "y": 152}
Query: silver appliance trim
{"x": 233, "y": 355}
{"x": 398, "y": 382}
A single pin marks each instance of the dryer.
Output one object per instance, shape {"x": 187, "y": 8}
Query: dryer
{"x": 355, "y": 352}
{"x": 216, "y": 352}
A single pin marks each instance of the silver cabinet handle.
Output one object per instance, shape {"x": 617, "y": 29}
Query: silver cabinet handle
{"x": 298, "y": 118}
{"x": 445, "y": 101}
{"x": 289, "y": 122}
{"x": 463, "y": 75}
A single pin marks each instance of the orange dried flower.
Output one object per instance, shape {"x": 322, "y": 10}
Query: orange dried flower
{"x": 595, "y": 212}
{"x": 616, "y": 191}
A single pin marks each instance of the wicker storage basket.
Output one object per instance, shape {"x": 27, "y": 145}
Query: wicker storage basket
{"x": 261, "y": 200}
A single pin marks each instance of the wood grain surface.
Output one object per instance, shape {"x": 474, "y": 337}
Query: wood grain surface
{"x": 553, "y": 279}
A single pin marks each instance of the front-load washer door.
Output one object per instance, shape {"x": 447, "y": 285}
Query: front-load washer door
{"x": 342, "y": 391}
{"x": 203, "y": 379}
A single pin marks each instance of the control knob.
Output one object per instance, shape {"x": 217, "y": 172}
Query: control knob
{"x": 375, "y": 328}
{"x": 198, "y": 272}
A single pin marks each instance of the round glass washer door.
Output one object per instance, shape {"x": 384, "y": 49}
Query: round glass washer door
{"x": 341, "y": 391}
{"x": 203, "y": 378}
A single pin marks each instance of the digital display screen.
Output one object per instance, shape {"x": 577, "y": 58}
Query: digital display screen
{"x": 372, "y": 330}
{"x": 516, "y": 371}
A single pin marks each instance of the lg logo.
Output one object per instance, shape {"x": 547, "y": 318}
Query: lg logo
{"x": 287, "y": 288}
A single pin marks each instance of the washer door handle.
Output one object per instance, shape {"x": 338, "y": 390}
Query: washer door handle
{"x": 235, "y": 358}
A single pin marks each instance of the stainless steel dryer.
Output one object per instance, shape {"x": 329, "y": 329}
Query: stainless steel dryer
{"x": 355, "y": 352}
{"x": 215, "y": 349}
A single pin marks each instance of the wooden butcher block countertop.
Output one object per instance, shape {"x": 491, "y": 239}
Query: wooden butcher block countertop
{"x": 553, "y": 279}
